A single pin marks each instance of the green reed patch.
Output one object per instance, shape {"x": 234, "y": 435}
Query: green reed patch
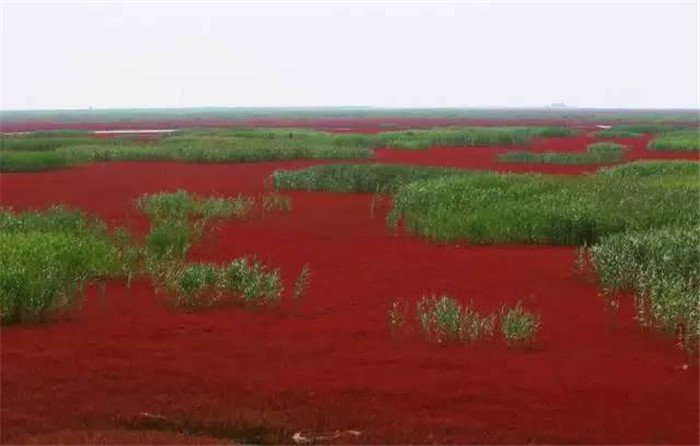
{"x": 682, "y": 140}
{"x": 518, "y": 326}
{"x": 48, "y": 141}
{"x": 662, "y": 268}
{"x": 634, "y": 130}
{"x": 445, "y": 319}
{"x": 178, "y": 219}
{"x": 47, "y": 257}
{"x": 670, "y": 169}
{"x": 275, "y": 201}
{"x": 465, "y": 136}
{"x": 541, "y": 208}
{"x": 356, "y": 177}
{"x": 11, "y": 161}
{"x": 596, "y": 153}
{"x": 243, "y": 280}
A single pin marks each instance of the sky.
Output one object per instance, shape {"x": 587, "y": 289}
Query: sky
{"x": 439, "y": 54}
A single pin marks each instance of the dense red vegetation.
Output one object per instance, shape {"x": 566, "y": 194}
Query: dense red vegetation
{"x": 127, "y": 369}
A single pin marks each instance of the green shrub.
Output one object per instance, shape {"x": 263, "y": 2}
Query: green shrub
{"x": 682, "y": 140}
{"x": 517, "y": 325}
{"x": 662, "y": 267}
{"x": 540, "y": 208}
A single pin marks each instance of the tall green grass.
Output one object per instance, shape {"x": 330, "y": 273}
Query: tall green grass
{"x": 244, "y": 145}
{"x": 662, "y": 268}
{"x": 242, "y": 280}
{"x": 465, "y": 136}
{"x": 541, "y": 209}
{"x": 669, "y": 170}
{"x": 356, "y": 177}
{"x": 178, "y": 219}
{"x": 596, "y": 153}
{"x": 35, "y": 161}
{"x": 683, "y": 141}
{"x": 634, "y": 130}
{"x": 48, "y": 141}
{"x": 47, "y": 257}
{"x": 444, "y": 319}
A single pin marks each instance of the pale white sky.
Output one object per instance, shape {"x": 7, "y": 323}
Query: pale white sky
{"x": 451, "y": 54}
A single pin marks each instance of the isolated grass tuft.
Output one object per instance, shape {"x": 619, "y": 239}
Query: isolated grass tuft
{"x": 277, "y": 201}
{"x": 302, "y": 283}
{"x": 518, "y": 326}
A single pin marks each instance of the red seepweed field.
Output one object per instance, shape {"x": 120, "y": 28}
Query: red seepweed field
{"x": 127, "y": 368}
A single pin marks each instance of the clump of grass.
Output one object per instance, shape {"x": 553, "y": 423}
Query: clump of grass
{"x": 371, "y": 178}
{"x": 444, "y": 319}
{"x": 198, "y": 285}
{"x": 634, "y": 130}
{"x": 48, "y": 141}
{"x": 302, "y": 283}
{"x": 178, "y": 219}
{"x": 397, "y": 316}
{"x": 253, "y": 281}
{"x": 277, "y": 201}
{"x": 540, "y": 208}
{"x": 242, "y": 280}
{"x": 169, "y": 239}
{"x": 518, "y": 326}
{"x": 47, "y": 257}
{"x": 667, "y": 169}
{"x": 41, "y": 272}
{"x": 465, "y": 136}
{"x": 222, "y": 150}
{"x": 662, "y": 268}
{"x": 682, "y": 140}
{"x": 596, "y": 153}
{"x": 35, "y": 161}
